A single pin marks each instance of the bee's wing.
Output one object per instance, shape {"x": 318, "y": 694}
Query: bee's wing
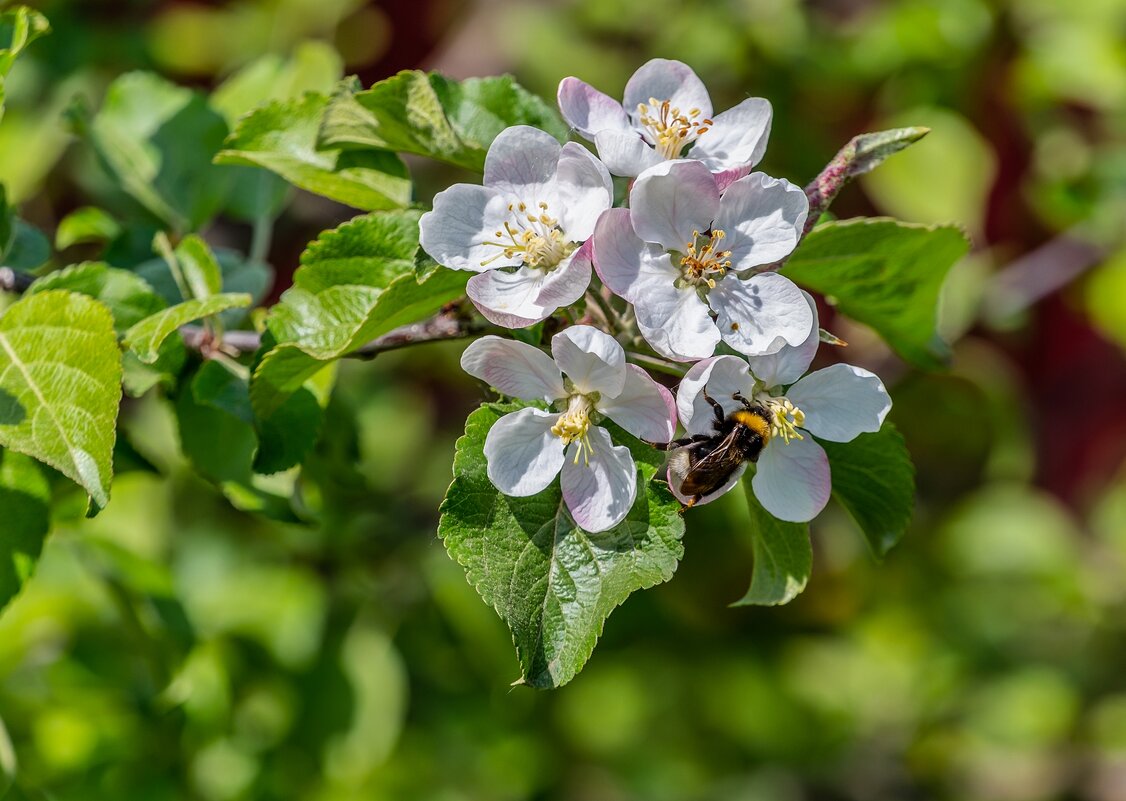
{"x": 711, "y": 471}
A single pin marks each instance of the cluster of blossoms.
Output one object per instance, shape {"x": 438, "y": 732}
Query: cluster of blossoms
{"x": 691, "y": 254}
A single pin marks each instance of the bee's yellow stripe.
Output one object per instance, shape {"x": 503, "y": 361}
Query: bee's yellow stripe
{"x": 754, "y": 422}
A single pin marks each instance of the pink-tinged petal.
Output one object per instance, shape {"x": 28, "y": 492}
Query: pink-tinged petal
{"x": 521, "y": 163}
{"x": 592, "y": 359}
{"x": 623, "y": 261}
{"x": 737, "y": 136}
{"x": 678, "y": 466}
{"x": 790, "y": 363}
{"x": 762, "y": 314}
{"x": 600, "y": 486}
{"x": 722, "y": 376}
{"x": 644, "y": 408}
{"x": 841, "y": 402}
{"x": 625, "y": 153}
{"x": 526, "y": 296}
{"x": 583, "y": 189}
{"x": 674, "y": 321}
{"x": 589, "y": 111}
{"x": 523, "y": 455}
{"x": 515, "y": 368}
{"x": 662, "y": 79}
{"x": 763, "y": 218}
{"x": 724, "y": 178}
{"x": 672, "y": 201}
{"x": 793, "y": 482}
{"x": 465, "y": 216}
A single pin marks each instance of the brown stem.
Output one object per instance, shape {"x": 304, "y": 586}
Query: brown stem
{"x": 446, "y": 325}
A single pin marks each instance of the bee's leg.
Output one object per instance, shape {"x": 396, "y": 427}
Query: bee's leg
{"x": 695, "y": 499}
{"x": 677, "y": 443}
{"x": 716, "y": 408}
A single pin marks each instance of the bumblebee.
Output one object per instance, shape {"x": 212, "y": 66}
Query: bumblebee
{"x": 703, "y": 463}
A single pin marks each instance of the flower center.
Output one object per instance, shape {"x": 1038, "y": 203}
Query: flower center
{"x": 536, "y": 238}
{"x": 785, "y": 417}
{"x": 668, "y": 129}
{"x": 574, "y": 424}
{"x": 703, "y": 261}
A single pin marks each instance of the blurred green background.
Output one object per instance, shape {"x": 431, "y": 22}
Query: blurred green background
{"x": 178, "y": 648}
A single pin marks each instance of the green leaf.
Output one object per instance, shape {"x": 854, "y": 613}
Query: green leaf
{"x": 782, "y": 552}
{"x": 60, "y": 386}
{"x": 433, "y": 116}
{"x": 282, "y": 137}
{"x": 552, "y": 583}
{"x": 127, "y": 295}
{"x": 193, "y": 263}
{"x": 157, "y": 141}
{"x": 145, "y": 337}
{"x": 28, "y": 248}
{"x": 886, "y": 274}
{"x": 313, "y": 67}
{"x": 874, "y": 480}
{"x": 85, "y": 225}
{"x": 237, "y": 275}
{"x": 355, "y": 284}
{"x": 215, "y": 385}
{"x": 19, "y": 27}
{"x": 24, "y": 497}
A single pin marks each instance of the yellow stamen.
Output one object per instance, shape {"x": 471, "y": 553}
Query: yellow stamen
{"x": 536, "y": 239}
{"x": 574, "y": 424}
{"x": 703, "y": 262}
{"x": 669, "y": 130}
{"x": 785, "y": 418}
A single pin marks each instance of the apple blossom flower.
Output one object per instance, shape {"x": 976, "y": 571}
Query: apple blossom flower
{"x": 675, "y": 252}
{"x": 523, "y": 230}
{"x": 585, "y": 379}
{"x": 837, "y": 403}
{"x": 666, "y": 110}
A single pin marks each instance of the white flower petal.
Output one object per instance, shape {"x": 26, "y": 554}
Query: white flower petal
{"x": 515, "y": 368}
{"x": 644, "y": 408}
{"x": 625, "y": 154}
{"x": 790, "y": 363}
{"x": 662, "y": 79}
{"x": 761, "y": 314}
{"x": 464, "y": 217}
{"x": 526, "y": 296}
{"x": 678, "y": 465}
{"x": 584, "y": 189}
{"x": 599, "y": 494}
{"x": 841, "y": 402}
{"x": 722, "y": 376}
{"x": 671, "y": 201}
{"x": 593, "y": 360}
{"x": 523, "y": 455}
{"x": 793, "y": 482}
{"x": 589, "y": 111}
{"x": 623, "y": 261}
{"x": 763, "y": 218}
{"x": 737, "y": 136}
{"x": 521, "y": 163}
{"x": 674, "y": 321}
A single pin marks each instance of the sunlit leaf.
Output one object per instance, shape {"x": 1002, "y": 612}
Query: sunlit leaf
{"x": 145, "y": 337}
{"x": 282, "y": 137}
{"x": 60, "y": 385}
{"x": 431, "y": 115}
{"x": 782, "y": 553}
{"x": 127, "y": 296}
{"x": 886, "y": 274}
{"x": 553, "y": 583}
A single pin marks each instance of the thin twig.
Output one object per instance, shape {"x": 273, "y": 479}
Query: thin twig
{"x": 446, "y": 325}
